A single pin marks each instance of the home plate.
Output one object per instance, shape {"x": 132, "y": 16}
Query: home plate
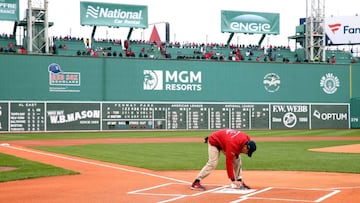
{"x": 234, "y": 191}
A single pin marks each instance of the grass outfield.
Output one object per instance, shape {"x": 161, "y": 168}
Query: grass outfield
{"x": 145, "y": 134}
{"x": 25, "y": 169}
{"x": 283, "y": 155}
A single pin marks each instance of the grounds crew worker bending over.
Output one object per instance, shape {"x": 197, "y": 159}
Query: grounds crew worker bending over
{"x": 231, "y": 143}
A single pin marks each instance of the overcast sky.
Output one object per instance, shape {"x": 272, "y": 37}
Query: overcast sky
{"x": 190, "y": 20}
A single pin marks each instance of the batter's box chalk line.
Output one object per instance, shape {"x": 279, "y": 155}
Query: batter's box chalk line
{"x": 235, "y": 191}
{"x": 217, "y": 189}
{"x": 328, "y": 193}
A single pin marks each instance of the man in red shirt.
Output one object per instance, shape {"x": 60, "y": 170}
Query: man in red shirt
{"x": 231, "y": 143}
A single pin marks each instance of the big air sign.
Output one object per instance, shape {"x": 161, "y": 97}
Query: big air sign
{"x": 250, "y": 22}
{"x": 343, "y": 29}
{"x": 114, "y": 15}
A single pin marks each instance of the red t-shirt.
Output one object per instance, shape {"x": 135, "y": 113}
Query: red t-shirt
{"x": 231, "y": 143}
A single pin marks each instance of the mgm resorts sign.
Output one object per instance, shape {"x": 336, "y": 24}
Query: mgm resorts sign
{"x": 167, "y": 80}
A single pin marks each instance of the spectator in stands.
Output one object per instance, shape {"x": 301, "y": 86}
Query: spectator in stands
{"x": 129, "y": 52}
{"x": 333, "y": 60}
{"x": 87, "y": 43}
{"x": 316, "y": 59}
{"x": 91, "y": 52}
{"x": 21, "y": 50}
{"x": 203, "y": 49}
{"x": 11, "y": 47}
{"x": 126, "y": 45}
{"x": 209, "y": 54}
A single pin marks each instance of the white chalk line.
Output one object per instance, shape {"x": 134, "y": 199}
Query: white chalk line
{"x": 250, "y": 196}
{"x": 245, "y": 197}
{"x": 97, "y": 164}
{"x": 327, "y": 196}
{"x": 180, "y": 196}
{"x": 118, "y": 168}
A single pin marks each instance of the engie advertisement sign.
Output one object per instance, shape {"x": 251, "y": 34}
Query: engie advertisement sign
{"x": 250, "y": 22}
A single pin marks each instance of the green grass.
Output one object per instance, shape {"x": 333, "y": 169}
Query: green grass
{"x": 293, "y": 156}
{"x": 283, "y": 155}
{"x": 25, "y": 169}
{"x": 146, "y": 134}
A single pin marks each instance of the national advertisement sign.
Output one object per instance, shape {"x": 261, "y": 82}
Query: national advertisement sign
{"x": 9, "y": 10}
{"x": 342, "y": 30}
{"x": 250, "y": 22}
{"x": 113, "y": 15}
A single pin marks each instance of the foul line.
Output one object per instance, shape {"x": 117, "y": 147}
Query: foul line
{"x": 177, "y": 196}
{"x": 97, "y": 164}
{"x": 327, "y": 196}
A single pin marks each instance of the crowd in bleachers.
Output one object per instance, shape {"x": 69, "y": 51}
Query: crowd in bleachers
{"x": 78, "y": 46}
{"x": 8, "y": 44}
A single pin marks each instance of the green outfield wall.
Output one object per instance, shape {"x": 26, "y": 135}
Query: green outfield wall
{"x": 58, "y": 80}
{"x": 27, "y": 77}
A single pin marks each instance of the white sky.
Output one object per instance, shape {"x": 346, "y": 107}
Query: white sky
{"x": 190, "y": 20}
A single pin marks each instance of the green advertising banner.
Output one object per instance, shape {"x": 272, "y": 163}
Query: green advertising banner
{"x": 54, "y": 78}
{"x": 330, "y": 116}
{"x": 73, "y": 116}
{"x": 250, "y": 22}
{"x": 290, "y": 116}
{"x": 206, "y": 81}
{"x": 9, "y": 10}
{"x": 114, "y": 15}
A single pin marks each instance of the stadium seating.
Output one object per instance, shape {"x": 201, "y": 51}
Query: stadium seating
{"x": 112, "y": 49}
{"x": 4, "y": 44}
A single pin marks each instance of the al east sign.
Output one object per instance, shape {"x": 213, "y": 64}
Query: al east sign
{"x": 250, "y": 22}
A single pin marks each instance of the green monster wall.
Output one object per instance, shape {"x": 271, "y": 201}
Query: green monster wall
{"x": 27, "y": 77}
{"x": 66, "y": 90}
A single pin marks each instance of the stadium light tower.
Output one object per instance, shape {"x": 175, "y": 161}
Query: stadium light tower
{"x": 37, "y": 26}
{"x": 315, "y": 30}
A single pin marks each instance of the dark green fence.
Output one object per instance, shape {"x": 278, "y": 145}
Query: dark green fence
{"x": 61, "y": 80}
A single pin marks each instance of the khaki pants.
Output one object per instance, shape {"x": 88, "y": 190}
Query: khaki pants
{"x": 214, "y": 155}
